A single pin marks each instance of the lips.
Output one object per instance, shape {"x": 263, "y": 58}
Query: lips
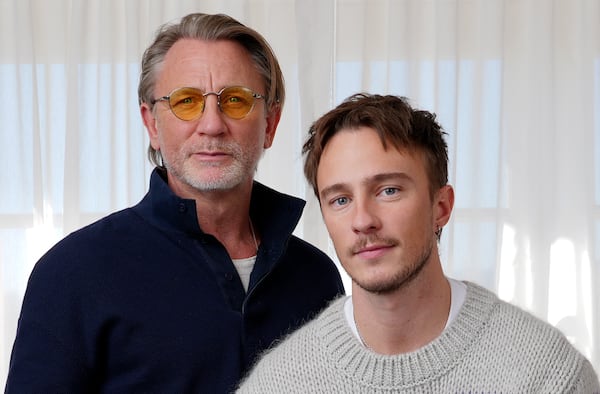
{"x": 210, "y": 156}
{"x": 370, "y": 248}
{"x": 212, "y": 152}
{"x": 373, "y": 245}
{"x": 373, "y": 250}
{"x": 215, "y": 151}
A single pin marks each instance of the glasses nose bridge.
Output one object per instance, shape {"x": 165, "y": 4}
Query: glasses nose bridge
{"x": 217, "y": 94}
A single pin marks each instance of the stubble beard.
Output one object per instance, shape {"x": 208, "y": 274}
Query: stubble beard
{"x": 401, "y": 278}
{"x": 242, "y": 167}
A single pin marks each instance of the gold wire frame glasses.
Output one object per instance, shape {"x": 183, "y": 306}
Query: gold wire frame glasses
{"x": 236, "y": 102}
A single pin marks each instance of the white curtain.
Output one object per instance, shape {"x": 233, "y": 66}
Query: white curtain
{"x": 516, "y": 83}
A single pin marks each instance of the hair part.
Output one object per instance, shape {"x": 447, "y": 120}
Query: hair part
{"x": 396, "y": 123}
{"x": 210, "y": 28}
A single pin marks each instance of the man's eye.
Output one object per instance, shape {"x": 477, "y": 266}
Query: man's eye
{"x": 389, "y": 191}
{"x": 340, "y": 201}
{"x": 189, "y": 100}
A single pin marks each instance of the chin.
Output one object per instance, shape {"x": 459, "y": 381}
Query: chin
{"x": 379, "y": 287}
{"x": 386, "y": 284}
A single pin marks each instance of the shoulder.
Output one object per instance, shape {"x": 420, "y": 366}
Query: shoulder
{"x": 295, "y": 358}
{"x": 97, "y": 235}
{"x": 90, "y": 248}
{"x": 529, "y": 343}
{"x": 307, "y": 250}
{"x": 308, "y": 263}
{"x": 511, "y": 321}
{"x": 307, "y": 254}
{"x": 332, "y": 314}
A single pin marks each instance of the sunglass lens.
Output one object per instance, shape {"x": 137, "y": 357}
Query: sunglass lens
{"x": 187, "y": 103}
{"x": 237, "y": 102}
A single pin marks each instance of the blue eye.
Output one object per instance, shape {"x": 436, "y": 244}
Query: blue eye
{"x": 390, "y": 191}
{"x": 340, "y": 201}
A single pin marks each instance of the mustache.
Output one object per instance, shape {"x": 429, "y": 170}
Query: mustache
{"x": 365, "y": 241}
{"x": 228, "y": 147}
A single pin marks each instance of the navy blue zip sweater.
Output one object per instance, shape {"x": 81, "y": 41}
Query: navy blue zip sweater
{"x": 143, "y": 301}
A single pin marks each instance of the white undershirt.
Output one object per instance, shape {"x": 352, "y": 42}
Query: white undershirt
{"x": 244, "y": 268}
{"x": 458, "y": 293}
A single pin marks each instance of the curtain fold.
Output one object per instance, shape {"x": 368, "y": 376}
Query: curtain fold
{"x": 516, "y": 84}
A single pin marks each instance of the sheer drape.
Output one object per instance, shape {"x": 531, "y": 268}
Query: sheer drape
{"x": 515, "y": 83}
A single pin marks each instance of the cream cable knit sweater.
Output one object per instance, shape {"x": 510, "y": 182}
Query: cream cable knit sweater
{"x": 491, "y": 347}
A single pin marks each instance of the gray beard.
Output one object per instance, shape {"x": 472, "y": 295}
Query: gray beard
{"x": 244, "y": 166}
{"x": 233, "y": 176}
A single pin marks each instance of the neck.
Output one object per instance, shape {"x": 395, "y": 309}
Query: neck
{"x": 226, "y": 216}
{"x": 407, "y": 319}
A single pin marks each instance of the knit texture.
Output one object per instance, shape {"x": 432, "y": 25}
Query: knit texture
{"x": 491, "y": 347}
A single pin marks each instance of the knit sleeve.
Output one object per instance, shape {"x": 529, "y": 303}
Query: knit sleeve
{"x": 587, "y": 380}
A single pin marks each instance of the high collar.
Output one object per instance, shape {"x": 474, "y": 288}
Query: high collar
{"x": 274, "y": 214}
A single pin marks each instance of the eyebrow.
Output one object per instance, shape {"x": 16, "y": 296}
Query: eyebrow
{"x": 378, "y": 178}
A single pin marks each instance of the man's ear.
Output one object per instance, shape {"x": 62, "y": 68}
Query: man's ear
{"x": 272, "y": 121}
{"x": 443, "y": 205}
{"x": 150, "y": 122}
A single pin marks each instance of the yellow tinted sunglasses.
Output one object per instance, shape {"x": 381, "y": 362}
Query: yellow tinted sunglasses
{"x": 235, "y": 102}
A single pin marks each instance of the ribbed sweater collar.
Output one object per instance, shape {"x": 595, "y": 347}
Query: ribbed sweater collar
{"x": 428, "y": 363}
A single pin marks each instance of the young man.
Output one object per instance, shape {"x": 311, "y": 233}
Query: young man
{"x": 180, "y": 292}
{"x": 379, "y": 170}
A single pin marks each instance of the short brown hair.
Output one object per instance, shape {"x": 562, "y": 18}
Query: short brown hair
{"x": 396, "y": 122}
{"x": 211, "y": 28}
